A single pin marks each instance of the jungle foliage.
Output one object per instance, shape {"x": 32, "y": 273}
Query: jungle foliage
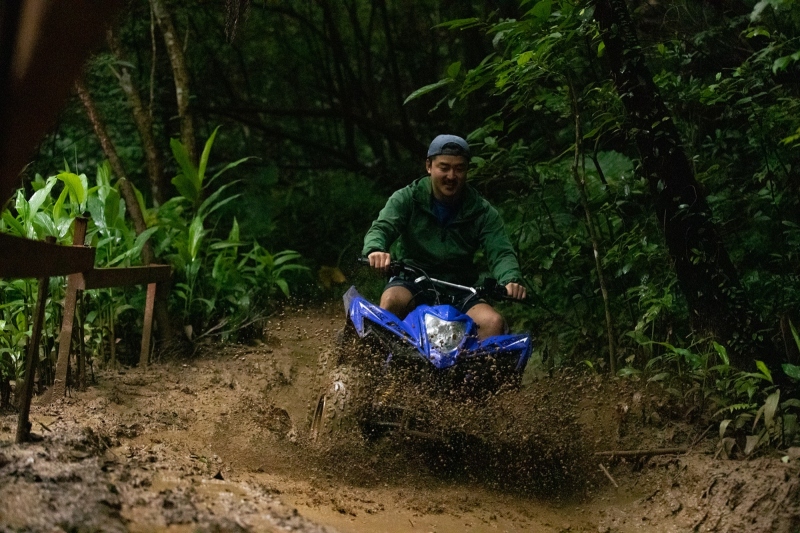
{"x": 326, "y": 107}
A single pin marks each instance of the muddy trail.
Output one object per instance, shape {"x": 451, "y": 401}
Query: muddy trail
{"x": 220, "y": 442}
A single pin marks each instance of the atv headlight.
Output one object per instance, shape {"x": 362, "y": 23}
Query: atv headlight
{"x": 444, "y": 335}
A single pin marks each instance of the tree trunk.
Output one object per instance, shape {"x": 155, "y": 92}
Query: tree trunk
{"x": 144, "y": 125}
{"x": 131, "y": 203}
{"x": 180, "y": 73}
{"x": 705, "y": 272}
{"x": 125, "y": 187}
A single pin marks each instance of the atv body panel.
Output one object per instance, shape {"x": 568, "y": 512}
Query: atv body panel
{"x": 440, "y": 335}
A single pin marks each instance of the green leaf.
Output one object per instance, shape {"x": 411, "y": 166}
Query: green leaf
{"x": 781, "y": 63}
{"x": 770, "y": 407}
{"x": 628, "y": 371}
{"x": 761, "y": 5}
{"x": 225, "y": 245}
{"x": 524, "y": 58}
{"x": 196, "y": 233}
{"x": 58, "y": 208}
{"x": 284, "y": 256}
{"x": 13, "y": 223}
{"x": 722, "y": 352}
{"x": 233, "y": 236}
{"x": 281, "y": 283}
{"x": 226, "y": 168}
{"x": 794, "y": 334}
{"x": 139, "y": 200}
{"x": 201, "y": 170}
{"x": 764, "y": 370}
{"x": 142, "y": 238}
{"x": 723, "y": 426}
{"x": 459, "y": 23}
{"x": 121, "y": 309}
{"x": 45, "y": 222}
{"x": 40, "y": 196}
{"x": 791, "y": 402}
{"x": 187, "y": 167}
{"x": 288, "y": 268}
{"x": 210, "y": 204}
{"x": 758, "y": 31}
{"x": 187, "y": 187}
{"x": 542, "y": 9}
{"x": 793, "y": 371}
{"x": 454, "y": 69}
{"x": 77, "y": 191}
{"x": 751, "y": 443}
{"x": 428, "y": 88}
{"x": 111, "y": 208}
{"x": 136, "y": 249}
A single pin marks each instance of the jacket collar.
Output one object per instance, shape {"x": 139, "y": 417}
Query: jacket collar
{"x": 471, "y": 202}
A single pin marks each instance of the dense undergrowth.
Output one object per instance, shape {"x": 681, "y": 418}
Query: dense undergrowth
{"x": 222, "y": 284}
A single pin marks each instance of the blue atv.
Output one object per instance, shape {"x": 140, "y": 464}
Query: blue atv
{"x": 388, "y": 375}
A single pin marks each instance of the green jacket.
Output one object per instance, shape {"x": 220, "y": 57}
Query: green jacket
{"x": 446, "y": 252}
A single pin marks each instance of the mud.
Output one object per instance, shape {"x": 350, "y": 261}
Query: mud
{"x": 221, "y": 443}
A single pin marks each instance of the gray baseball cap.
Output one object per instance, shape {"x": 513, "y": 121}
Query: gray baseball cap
{"x": 448, "y": 145}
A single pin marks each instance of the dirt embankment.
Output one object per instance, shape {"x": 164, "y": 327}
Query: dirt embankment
{"x": 220, "y": 443}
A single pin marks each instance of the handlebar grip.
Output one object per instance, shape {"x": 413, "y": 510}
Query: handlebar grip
{"x": 499, "y": 293}
{"x": 394, "y": 267}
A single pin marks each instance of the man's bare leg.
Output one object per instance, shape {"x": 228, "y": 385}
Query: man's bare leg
{"x": 397, "y": 300}
{"x": 489, "y": 321}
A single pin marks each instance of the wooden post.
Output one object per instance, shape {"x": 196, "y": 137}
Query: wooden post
{"x": 59, "y": 388}
{"x": 23, "y": 424}
{"x": 147, "y": 327}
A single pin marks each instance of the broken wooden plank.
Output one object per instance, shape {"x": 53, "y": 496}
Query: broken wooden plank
{"x": 103, "y": 278}
{"x": 24, "y": 258}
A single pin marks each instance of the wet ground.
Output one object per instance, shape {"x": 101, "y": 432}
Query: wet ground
{"x": 221, "y": 443}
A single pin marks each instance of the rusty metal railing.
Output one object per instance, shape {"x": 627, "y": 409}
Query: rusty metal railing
{"x": 23, "y": 258}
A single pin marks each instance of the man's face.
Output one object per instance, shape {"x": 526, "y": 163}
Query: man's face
{"x": 448, "y": 176}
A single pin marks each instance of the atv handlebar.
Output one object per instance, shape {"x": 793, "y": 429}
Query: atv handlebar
{"x": 490, "y": 289}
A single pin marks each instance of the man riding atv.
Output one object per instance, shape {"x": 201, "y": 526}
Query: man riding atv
{"x": 439, "y": 223}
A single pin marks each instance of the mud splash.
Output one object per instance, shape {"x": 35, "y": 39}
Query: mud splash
{"x": 221, "y": 443}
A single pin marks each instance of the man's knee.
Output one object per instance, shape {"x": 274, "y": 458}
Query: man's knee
{"x": 489, "y": 321}
{"x": 397, "y": 301}
{"x": 494, "y": 324}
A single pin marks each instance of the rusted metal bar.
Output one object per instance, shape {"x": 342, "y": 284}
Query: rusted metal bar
{"x": 24, "y": 258}
{"x": 74, "y": 282}
{"x": 147, "y": 327}
{"x": 113, "y": 339}
{"x": 59, "y": 388}
{"x": 23, "y": 424}
{"x": 81, "y": 355}
{"x": 102, "y": 278}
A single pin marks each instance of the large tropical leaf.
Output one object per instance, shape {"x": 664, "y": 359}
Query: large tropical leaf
{"x": 201, "y": 170}
{"x": 76, "y": 187}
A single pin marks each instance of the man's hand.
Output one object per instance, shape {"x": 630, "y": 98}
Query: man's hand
{"x": 379, "y": 260}
{"x": 516, "y": 291}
